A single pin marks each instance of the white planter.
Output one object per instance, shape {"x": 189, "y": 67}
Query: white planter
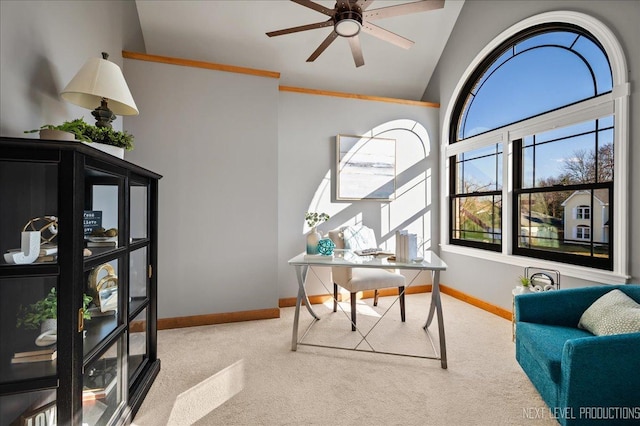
{"x": 522, "y": 290}
{"x": 109, "y": 149}
{"x": 57, "y": 135}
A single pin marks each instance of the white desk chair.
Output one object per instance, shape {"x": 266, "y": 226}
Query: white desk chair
{"x": 360, "y": 279}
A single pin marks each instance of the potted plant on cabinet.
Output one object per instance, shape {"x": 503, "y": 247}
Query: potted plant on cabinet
{"x": 106, "y": 138}
{"x": 44, "y": 314}
{"x": 69, "y": 130}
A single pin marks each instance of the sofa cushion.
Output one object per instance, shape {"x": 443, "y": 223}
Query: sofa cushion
{"x": 612, "y": 313}
{"x": 545, "y": 343}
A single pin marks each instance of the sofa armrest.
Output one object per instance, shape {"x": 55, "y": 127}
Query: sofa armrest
{"x": 601, "y": 371}
{"x": 558, "y": 307}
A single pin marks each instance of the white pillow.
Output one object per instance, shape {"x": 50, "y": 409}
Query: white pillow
{"x": 612, "y": 313}
{"x": 359, "y": 238}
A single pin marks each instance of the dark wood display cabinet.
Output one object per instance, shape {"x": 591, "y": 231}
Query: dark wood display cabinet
{"x": 54, "y": 197}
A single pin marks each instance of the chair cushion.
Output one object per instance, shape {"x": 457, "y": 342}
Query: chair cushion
{"x": 359, "y": 238}
{"x": 545, "y": 344}
{"x": 371, "y": 279}
{"x": 612, "y": 313}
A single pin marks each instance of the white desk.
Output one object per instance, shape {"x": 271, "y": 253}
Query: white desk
{"x": 346, "y": 258}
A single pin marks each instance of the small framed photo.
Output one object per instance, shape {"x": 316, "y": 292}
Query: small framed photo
{"x": 365, "y": 168}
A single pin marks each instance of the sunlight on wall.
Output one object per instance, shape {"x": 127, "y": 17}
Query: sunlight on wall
{"x": 411, "y": 209}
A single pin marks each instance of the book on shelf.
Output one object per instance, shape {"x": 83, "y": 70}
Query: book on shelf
{"x": 102, "y": 244}
{"x": 48, "y": 258}
{"x": 46, "y": 351}
{"x": 91, "y": 394}
{"x": 35, "y": 358}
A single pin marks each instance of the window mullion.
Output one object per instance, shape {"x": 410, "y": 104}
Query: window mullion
{"x": 507, "y": 194}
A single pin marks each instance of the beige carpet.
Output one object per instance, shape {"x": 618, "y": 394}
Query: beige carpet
{"x": 246, "y": 374}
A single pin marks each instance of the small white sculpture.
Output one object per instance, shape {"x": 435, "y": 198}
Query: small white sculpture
{"x": 30, "y": 249}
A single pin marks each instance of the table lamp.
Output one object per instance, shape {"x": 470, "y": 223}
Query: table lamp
{"x": 100, "y": 81}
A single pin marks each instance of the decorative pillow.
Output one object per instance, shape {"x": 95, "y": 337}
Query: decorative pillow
{"x": 612, "y": 313}
{"x": 359, "y": 238}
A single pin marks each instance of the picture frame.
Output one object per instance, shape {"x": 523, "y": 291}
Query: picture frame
{"x": 365, "y": 168}
{"x": 44, "y": 415}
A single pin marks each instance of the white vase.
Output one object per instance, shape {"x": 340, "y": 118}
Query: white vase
{"x": 48, "y": 333}
{"x": 313, "y": 237}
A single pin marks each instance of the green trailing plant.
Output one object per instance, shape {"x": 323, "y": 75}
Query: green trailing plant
{"x": 524, "y": 281}
{"x": 109, "y": 136}
{"x": 77, "y": 127}
{"x": 89, "y": 133}
{"x": 314, "y": 219}
{"x": 30, "y": 317}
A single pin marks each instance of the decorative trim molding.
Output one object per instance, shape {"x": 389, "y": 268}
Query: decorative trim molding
{"x": 199, "y": 64}
{"x": 227, "y": 317}
{"x": 209, "y": 319}
{"x": 357, "y": 96}
{"x": 478, "y": 303}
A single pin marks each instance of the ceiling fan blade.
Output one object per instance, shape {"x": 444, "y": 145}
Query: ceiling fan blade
{"x": 403, "y": 9}
{"x": 327, "y": 23}
{"x": 356, "y": 50}
{"x": 364, "y": 4}
{"x": 327, "y": 41}
{"x": 315, "y": 6}
{"x": 386, "y": 35}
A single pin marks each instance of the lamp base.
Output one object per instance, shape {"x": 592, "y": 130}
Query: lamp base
{"x": 103, "y": 115}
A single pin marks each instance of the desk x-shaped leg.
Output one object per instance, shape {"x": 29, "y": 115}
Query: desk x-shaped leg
{"x": 301, "y": 273}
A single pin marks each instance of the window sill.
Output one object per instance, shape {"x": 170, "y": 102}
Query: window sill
{"x": 574, "y": 271}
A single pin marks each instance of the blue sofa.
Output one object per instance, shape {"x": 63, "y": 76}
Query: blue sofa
{"x": 584, "y": 379}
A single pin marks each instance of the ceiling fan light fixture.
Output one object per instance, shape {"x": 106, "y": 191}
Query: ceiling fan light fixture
{"x": 348, "y": 23}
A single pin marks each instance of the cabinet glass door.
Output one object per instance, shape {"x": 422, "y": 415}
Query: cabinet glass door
{"x": 138, "y": 279}
{"x": 138, "y": 351}
{"x": 28, "y": 312}
{"x": 36, "y": 408}
{"x": 103, "y": 393}
{"x": 138, "y": 214}
{"x": 102, "y": 212}
{"x": 104, "y": 313}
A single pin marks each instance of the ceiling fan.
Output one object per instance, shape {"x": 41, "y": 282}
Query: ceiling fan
{"x": 350, "y": 17}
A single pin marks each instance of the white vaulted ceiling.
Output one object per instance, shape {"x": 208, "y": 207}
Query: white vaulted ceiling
{"x": 233, "y": 33}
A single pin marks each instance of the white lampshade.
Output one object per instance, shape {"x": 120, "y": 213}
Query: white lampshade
{"x": 97, "y": 79}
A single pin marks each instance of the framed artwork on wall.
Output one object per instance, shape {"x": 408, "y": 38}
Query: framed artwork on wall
{"x": 365, "y": 168}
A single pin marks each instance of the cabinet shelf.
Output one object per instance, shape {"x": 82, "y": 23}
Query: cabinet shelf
{"x": 83, "y": 189}
{"x": 32, "y": 270}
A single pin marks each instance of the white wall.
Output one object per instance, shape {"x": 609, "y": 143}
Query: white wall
{"x": 308, "y": 125}
{"x": 241, "y": 161}
{"x": 213, "y": 136}
{"x": 44, "y": 43}
{"x": 491, "y": 281}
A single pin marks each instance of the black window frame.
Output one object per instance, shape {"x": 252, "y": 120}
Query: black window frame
{"x": 459, "y": 114}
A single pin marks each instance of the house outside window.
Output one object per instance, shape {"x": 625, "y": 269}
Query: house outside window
{"x": 534, "y": 125}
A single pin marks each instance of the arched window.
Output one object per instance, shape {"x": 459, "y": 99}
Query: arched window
{"x": 537, "y": 71}
{"x": 545, "y": 95}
